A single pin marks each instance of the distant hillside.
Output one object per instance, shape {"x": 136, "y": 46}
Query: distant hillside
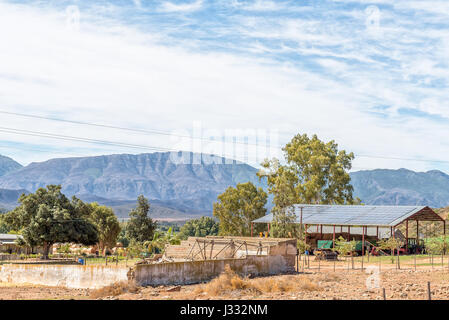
{"x": 8, "y": 198}
{"x": 8, "y": 165}
{"x": 158, "y": 209}
{"x": 188, "y": 188}
{"x": 179, "y": 190}
{"x": 402, "y": 187}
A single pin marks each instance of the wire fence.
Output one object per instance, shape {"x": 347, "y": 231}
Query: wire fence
{"x": 111, "y": 260}
{"x": 390, "y": 262}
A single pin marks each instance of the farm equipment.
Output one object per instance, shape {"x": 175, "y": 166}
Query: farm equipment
{"x": 324, "y": 251}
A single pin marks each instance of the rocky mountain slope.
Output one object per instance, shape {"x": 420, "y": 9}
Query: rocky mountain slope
{"x": 189, "y": 188}
{"x": 402, "y": 187}
{"x": 8, "y": 165}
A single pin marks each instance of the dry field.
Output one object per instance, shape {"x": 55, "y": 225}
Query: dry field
{"x": 313, "y": 284}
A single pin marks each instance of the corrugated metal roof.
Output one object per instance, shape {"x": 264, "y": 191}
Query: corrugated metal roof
{"x": 8, "y": 239}
{"x": 357, "y": 215}
{"x": 4, "y": 236}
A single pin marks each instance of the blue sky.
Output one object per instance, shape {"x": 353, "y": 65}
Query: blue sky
{"x": 371, "y": 75}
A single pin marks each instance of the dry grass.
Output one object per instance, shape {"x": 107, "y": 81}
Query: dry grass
{"x": 229, "y": 281}
{"x": 114, "y": 290}
{"x": 328, "y": 277}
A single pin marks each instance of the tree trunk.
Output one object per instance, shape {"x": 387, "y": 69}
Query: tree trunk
{"x": 46, "y": 248}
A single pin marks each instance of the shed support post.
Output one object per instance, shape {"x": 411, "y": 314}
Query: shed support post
{"x": 392, "y": 234}
{"x": 321, "y": 231}
{"x": 406, "y": 236}
{"x": 363, "y": 242}
{"x": 444, "y": 227}
{"x": 444, "y": 235}
{"x": 333, "y": 238}
{"x": 305, "y": 235}
{"x": 417, "y": 235}
{"x": 268, "y": 229}
{"x": 252, "y": 228}
{"x": 349, "y": 233}
{"x": 377, "y": 232}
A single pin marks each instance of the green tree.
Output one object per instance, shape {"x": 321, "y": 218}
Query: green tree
{"x": 140, "y": 227}
{"x": 4, "y": 228}
{"x": 107, "y": 225}
{"x": 204, "y": 226}
{"x": 314, "y": 172}
{"x": 160, "y": 240}
{"x": 390, "y": 244}
{"x": 436, "y": 245}
{"x": 237, "y": 207}
{"x": 122, "y": 237}
{"x": 48, "y": 216}
{"x": 344, "y": 247}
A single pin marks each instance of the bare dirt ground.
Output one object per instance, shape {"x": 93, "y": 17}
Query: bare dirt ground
{"x": 32, "y": 292}
{"x": 312, "y": 284}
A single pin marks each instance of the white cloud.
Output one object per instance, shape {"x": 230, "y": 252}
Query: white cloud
{"x": 109, "y": 72}
{"x": 185, "y": 7}
{"x": 264, "y": 5}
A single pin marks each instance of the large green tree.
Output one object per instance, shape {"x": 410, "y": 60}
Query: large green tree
{"x": 107, "y": 225}
{"x": 48, "y": 216}
{"x": 4, "y": 228}
{"x": 140, "y": 227}
{"x": 237, "y": 207}
{"x": 201, "y": 227}
{"x": 315, "y": 172}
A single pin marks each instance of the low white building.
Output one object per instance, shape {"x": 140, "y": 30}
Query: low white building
{"x": 8, "y": 243}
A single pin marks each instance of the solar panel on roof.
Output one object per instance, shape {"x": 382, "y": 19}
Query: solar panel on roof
{"x": 357, "y": 215}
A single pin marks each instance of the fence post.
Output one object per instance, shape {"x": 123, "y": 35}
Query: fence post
{"x": 429, "y": 293}
{"x": 362, "y": 262}
{"x": 297, "y": 262}
{"x": 415, "y": 260}
{"x": 303, "y": 263}
{"x": 380, "y": 262}
{"x": 384, "y": 294}
{"x": 106, "y": 259}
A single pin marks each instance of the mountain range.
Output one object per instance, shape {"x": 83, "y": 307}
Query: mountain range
{"x": 176, "y": 184}
{"x": 181, "y": 187}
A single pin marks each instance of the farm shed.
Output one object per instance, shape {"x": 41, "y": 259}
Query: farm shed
{"x": 358, "y": 222}
{"x": 8, "y": 244}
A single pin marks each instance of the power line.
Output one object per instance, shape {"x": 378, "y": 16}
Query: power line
{"x": 92, "y": 141}
{"x": 47, "y": 150}
{"x": 78, "y": 139}
{"x": 141, "y": 131}
{"x": 147, "y": 132}
{"x": 403, "y": 159}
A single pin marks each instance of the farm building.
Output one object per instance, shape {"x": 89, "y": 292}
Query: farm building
{"x": 8, "y": 244}
{"x": 323, "y": 224}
